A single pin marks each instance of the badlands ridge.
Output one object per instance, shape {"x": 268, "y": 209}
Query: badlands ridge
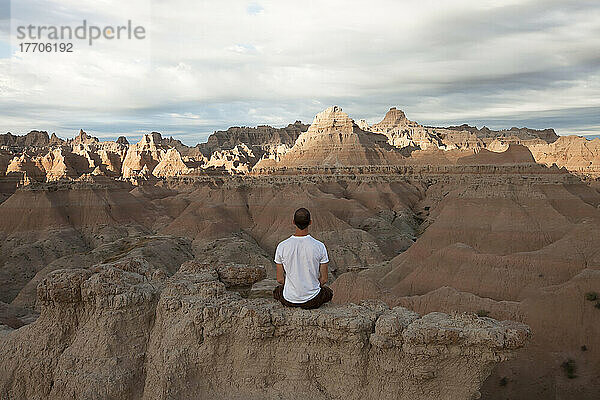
{"x": 144, "y": 270}
{"x": 332, "y": 140}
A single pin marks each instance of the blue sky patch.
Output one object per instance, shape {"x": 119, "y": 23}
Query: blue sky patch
{"x": 254, "y": 9}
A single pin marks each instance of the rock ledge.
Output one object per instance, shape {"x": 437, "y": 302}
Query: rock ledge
{"x": 110, "y": 333}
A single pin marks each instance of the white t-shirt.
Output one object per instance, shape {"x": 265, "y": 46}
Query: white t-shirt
{"x": 301, "y": 257}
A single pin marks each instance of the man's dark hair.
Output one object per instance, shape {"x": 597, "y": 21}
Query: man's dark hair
{"x": 302, "y": 218}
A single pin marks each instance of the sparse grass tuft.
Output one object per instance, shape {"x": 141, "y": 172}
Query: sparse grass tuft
{"x": 591, "y": 296}
{"x": 569, "y": 368}
{"x": 483, "y": 313}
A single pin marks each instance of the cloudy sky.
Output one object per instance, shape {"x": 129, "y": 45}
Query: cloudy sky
{"x": 207, "y": 65}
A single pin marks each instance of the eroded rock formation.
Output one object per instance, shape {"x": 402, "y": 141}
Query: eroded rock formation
{"x": 402, "y": 132}
{"x": 113, "y": 333}
{"x": 575, "y": 153}
{"x": 333, "y": 140}
{"x": 525, "y": 250}
{"x": 455, "y": 219}
{"x": 263, "y": 141}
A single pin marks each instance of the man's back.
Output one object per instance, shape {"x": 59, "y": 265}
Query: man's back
{"x": 301, "y": 257}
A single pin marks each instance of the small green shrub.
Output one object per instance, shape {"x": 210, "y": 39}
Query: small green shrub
{"x": 503, "y": 381}
{"x": 591, "y": 296}
{"x": 597, "y": 305}
{"x": 584, "y": 348}
{"x": 569, "y": 368}
{"x": 483, "y": 313}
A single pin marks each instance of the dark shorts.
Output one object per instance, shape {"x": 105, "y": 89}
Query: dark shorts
{"x": 325, "y": 295}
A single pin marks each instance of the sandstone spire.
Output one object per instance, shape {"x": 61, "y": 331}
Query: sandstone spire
{"x": 402, "y": 132}
{"x": 84, "y": 138}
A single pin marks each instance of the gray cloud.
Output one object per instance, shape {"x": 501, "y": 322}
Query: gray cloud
{"x": 210, "y": 65}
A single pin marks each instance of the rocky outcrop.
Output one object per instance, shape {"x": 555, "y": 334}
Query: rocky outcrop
{"x": 547, "y": 135}
{"x": 402, "y": 132}
{"x": 239, "y": 159}
{"x": 231, "y": 274}
{"x": 497, "y": 247}
{"x": 334, "y": 139}
{"x": 238, "y": 149}
{"x": 154, "y": 156}
{"x": 27, "y": 166}
{"x": 84, "y": 139}
{"x": 74, "y": 349}
{"x": 264, "y": 141}
{"x": 61, "y": 163}
{"x": 108, "y": 333}
{"x": 575, "y": 153}
{"x": 171, "y": 164}
{"x": 32, "y": 139}
{"x": 54, "y": 159}
{"x": 147, "y": 153}
{"x": 39, "y": 224}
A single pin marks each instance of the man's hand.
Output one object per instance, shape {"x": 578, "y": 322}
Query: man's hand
{"x": 323, "y": 273}
{"x": 280, "y": 274}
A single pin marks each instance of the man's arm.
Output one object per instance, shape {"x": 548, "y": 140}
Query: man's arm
{"x": 280, "y": 274}
{"x": 323, "y": 273}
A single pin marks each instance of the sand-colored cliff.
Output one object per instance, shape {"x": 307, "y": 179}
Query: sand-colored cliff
{"x": 133, "y": 333}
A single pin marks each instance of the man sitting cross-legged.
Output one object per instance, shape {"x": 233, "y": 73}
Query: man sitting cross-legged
{"x": 302, "y": 267}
